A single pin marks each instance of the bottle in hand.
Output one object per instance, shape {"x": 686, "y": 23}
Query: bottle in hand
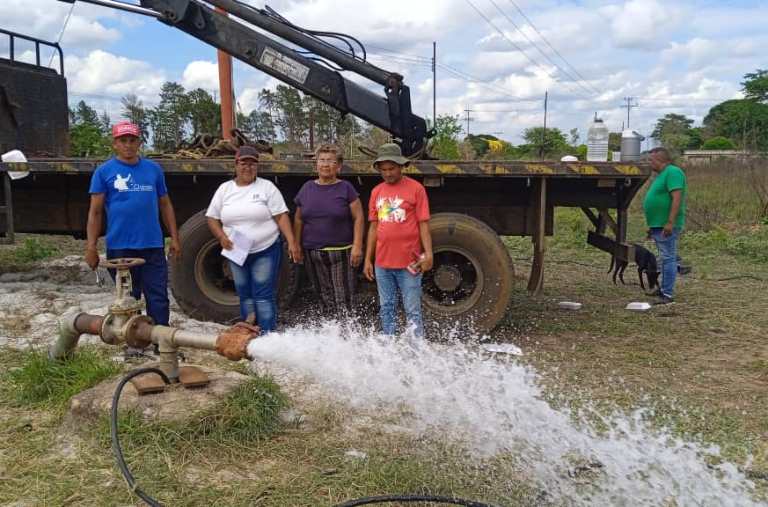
{"x": 414, "y": 267}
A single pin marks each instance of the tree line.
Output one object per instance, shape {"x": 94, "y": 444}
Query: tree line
{"x": 292, "y": 121}
{"x": 285, "y": 118}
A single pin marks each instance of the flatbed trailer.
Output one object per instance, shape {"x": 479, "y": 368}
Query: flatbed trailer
{"x": 472, "y": 204}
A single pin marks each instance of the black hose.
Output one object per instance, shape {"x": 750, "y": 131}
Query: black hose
{"x": 412, "y": 498}
{"x": 154, "y": 503}
{"x": 116, "y": 439}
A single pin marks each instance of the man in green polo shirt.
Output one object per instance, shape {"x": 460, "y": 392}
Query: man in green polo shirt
{"x": 664, "y": 207}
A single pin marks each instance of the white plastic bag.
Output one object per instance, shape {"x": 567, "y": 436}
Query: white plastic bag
{"x": 11, "y": 157}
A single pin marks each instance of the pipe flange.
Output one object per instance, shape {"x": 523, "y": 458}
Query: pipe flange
{"x": 107, "y": 333}
{"x": 130, "y": 334}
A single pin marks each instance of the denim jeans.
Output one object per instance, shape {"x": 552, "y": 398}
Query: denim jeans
{"x": 667, "y": 246}
{"x": 151, "y": 279}
{"x": 391, "y": 281}
{"x": 256, "y": 285}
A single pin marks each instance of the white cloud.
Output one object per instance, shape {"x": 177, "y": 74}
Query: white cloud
{"x": 395, "y": 24}
{"x": 248, "y": 100}
{"x": 643, "y": 24}
{"x": 201, "y": 74}
{"x": 44, "y": 19}
{"x": 105, "y": 74}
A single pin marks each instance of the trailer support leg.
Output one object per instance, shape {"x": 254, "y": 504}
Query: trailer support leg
{"x": 7, "y": 236}
{"x": 539, "y": 208}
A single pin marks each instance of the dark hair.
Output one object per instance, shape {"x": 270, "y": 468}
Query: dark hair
{"x": 330, "y": 148}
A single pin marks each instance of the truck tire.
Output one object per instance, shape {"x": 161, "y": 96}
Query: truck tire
{"x": 201, "y": 281}
{"x": 472, "y": 277}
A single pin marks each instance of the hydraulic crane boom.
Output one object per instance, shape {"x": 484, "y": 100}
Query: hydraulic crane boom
{"x": 391, "y": 112}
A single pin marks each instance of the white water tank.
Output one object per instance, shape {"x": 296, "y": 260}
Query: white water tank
{"x": 597, "y": 141}
{"x": 630, "y": 145}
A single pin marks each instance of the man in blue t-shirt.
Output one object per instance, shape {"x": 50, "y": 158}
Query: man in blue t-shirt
{"x": 132, "y": 191}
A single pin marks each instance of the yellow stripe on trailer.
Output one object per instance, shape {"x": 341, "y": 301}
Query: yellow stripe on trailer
{"x": 583, "y": 169}
{"x": 628, "y": 170}
{"x": 539, "y": 169}
{"x": 449, "y": 169}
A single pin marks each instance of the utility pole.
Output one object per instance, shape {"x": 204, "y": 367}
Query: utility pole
{"x": 434, "y": 84}
{"x": 468, "y": 118}
{"x": 312, "y": 130}
{"x": 630, "y": 102}
{"x": 544, "y": 132}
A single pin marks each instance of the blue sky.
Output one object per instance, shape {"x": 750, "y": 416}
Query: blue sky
{"x": 679, "y": 56}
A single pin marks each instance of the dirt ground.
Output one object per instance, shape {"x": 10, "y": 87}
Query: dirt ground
{"x": 700, "y": 364}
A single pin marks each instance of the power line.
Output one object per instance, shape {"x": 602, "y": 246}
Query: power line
{"x": 567, "y": 74}
{"x": 551, "y": 46}
{"x": 511, "y": 42}
{"x": 426, "y": 62}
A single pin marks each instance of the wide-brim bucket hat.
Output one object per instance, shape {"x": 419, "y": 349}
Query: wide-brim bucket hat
{"x": 390, "y": 152}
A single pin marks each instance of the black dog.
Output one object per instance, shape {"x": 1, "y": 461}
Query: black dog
{"x": 646, "y": 263}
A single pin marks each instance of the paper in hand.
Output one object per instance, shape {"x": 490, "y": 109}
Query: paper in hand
{"x": 241, "y": 246}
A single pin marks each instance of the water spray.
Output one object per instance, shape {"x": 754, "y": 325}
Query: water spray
{"x": 124, "y": 324}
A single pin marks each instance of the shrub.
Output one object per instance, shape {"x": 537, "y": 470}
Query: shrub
{"x": 718, "y": 143}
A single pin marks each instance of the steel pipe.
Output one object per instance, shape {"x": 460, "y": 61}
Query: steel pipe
{"x": 71, "y": 327}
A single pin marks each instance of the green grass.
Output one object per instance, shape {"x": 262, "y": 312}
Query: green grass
{"x": 40, "y": 382}
{"x": 237, "y": 454}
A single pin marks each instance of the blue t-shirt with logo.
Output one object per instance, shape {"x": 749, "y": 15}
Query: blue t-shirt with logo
{"x": 131, "y": 194}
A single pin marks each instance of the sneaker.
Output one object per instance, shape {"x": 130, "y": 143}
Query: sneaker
{"x": 664, "y": 300}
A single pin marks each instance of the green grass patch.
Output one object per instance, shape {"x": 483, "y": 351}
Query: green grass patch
{"x": 22, "y": 255}
{"x": 39, "y": 381}
{"x": 250, "y": 413}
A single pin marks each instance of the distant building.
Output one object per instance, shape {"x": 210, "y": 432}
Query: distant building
{"x": 705, "y": 156}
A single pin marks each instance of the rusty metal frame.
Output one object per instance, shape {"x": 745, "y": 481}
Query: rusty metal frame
{"x": 616, "y": 246}
{"x": 539, "y": 238}
{"x": 8, "y": 236}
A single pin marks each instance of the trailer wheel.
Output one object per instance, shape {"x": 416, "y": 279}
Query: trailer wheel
{"x": 472, "y": 277}
{"x": 201, "y": 281}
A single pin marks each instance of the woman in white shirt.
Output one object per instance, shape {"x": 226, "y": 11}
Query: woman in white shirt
{"x": 253, "y": 209}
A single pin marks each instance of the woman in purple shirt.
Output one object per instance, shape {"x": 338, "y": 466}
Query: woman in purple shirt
{"x": 328, "y": 224}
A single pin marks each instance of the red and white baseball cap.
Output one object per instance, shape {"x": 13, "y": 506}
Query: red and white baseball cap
{"x": 125, "y": 128}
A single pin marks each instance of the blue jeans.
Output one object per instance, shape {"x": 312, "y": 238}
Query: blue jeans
{"x": 151, "y": 279}
{"x": 668, "y": 255}
{"x": 256, "y": 284}
{"x": 391, "y": 281}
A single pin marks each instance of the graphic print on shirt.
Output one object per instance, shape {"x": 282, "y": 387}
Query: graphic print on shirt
{"x": 121, "y": 183}
{"x": 388, "y": 209}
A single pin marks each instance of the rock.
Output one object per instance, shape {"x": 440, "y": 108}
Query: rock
{"x": 25, "y": 276}
{"x": 355, "y": 454}
{"x": 43, "y": 318}
{"x": 292, "y": 417}
{"x": 176, "y": 403}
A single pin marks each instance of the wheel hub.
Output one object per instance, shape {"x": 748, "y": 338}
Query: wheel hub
{"x": 447, "y": 278}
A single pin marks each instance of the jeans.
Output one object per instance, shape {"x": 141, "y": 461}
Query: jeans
{"x": 256, "y": 285}
{"x": 151, "y": 279}
{"x": 391, "y": 281}
{"x": 668, "y": 255}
